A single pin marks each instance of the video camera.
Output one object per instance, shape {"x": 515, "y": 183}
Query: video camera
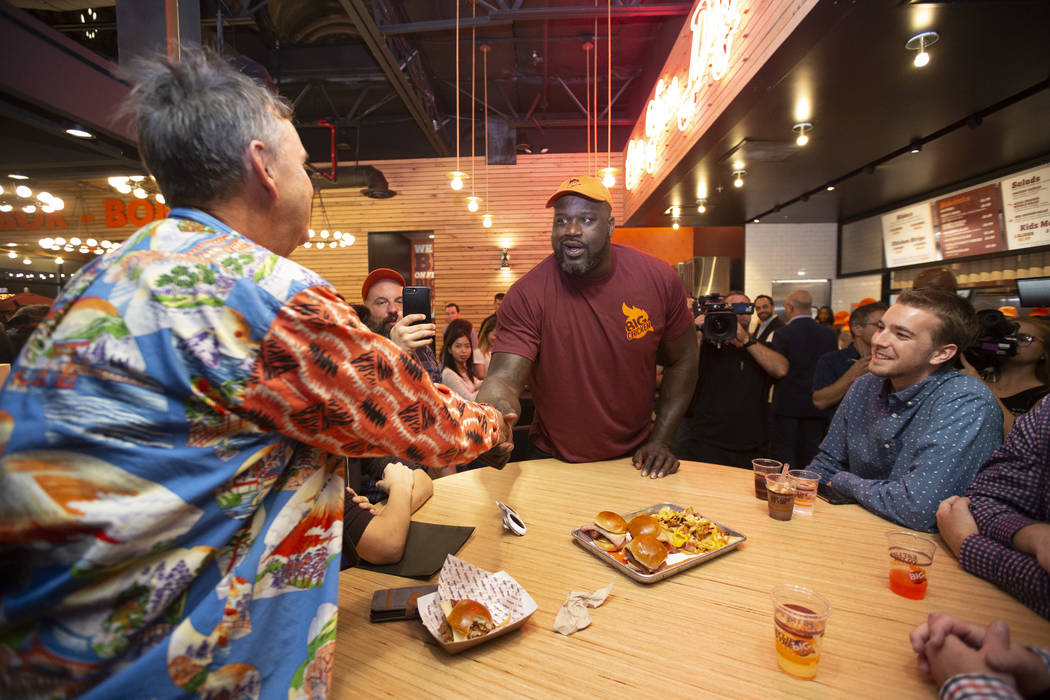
{"x": 996, "y": 338}
{"x": 720, "y": 322}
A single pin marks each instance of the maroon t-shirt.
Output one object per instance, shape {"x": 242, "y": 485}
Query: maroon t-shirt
{"x": 593, "y": 346}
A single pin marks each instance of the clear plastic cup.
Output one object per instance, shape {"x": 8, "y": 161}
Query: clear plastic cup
{"x": 805, "y": 490}
{"x": 780, "y": 496}
{"x": 799, "y": 617}
{"x": 910, "y": 558}
{"x": 762, "y": 467}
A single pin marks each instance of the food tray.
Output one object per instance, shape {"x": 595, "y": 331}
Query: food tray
{"x": 690, "y": 560}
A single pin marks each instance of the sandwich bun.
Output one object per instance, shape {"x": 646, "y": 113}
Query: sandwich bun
{"x": 644, "y": 525}
{"x": 646, "y": 553}
{"x": 467, "y": 619}
{"x": 608, "y": 520}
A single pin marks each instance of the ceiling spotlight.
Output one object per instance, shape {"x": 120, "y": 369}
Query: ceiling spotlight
{"x": 456, "y": 179}
{"x": 139, "y": 193}
{"x": 802, "y": 128}
{"x": 23, "y": 192}
{"x": 919, "y": 42}
{"x": 18, "y": 176}
{"x": 755, "y": 220}
{"x": 80, "y": 133}
{"x": 916, "y": 146}
{"x": 830, "y": 188}
{"x": 738, "y": 178}
{"x": 473, "y": 203}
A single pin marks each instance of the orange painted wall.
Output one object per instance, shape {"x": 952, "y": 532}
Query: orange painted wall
{"x": 665, "y": 243}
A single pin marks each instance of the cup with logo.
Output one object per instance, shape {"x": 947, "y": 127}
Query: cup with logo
{"x": 799, "y": 616}
{"x": 762, "y": 467}
{"x": 910, "y": 558}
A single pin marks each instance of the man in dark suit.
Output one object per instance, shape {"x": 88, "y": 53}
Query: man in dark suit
{"x": 768, "y": 321}
{"x": 798, "y": 425}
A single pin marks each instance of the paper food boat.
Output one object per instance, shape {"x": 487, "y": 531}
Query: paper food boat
{"x": 508, "y": 603}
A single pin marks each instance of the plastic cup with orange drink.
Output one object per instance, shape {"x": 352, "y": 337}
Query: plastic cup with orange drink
{"x": 799, "y": 617}
{"x": 910, "y": 558}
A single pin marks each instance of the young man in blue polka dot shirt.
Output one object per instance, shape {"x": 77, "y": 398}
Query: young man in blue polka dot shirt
{"x": 914, "y": 431}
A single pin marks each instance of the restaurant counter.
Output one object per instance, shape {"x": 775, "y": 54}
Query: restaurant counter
{"x": 707, "y": 630}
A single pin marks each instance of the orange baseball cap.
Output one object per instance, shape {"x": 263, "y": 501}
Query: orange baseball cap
{"x": 380, "y": 273}
{"x": 865, "y": 301}
{"x": 841, "y": 317}
{"x": 584, "y": 186}
{"x": 1041, "y": 311}
{"x": 1010, "y": 311}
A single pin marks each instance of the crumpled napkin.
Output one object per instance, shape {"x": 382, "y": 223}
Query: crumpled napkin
{"x": 573, "y": 615}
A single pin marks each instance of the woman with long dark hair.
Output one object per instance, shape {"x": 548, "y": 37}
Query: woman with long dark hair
{"x": 457, "y": 363}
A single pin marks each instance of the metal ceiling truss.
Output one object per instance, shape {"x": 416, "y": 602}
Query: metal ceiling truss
{"x": 420, "y": 107}
{"x": 500, "y": 14}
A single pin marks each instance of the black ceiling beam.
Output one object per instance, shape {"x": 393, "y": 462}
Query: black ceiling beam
{"x": 360, "y": 14}
{"x": 539, "y": 14}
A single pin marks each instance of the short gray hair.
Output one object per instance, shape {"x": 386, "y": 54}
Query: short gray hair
{"x": 195, "y": 119}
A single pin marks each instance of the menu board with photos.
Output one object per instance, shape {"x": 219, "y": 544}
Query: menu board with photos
{"x": 907, "y": 236}
{"x": 969, "y": 222}
{"x": 1026, "y": 205}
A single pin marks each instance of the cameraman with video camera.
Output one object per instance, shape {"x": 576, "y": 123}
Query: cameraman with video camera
{"x": 1011, "y": 358}
{"x": 723, "y": 424}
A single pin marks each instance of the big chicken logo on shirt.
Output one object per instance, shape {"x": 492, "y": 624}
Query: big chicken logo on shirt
{"x": 638, "y": 323}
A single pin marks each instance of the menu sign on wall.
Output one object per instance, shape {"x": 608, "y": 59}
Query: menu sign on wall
{"x": 907, "y": 236}
{"x": 969, "y": 222}
{"x": 1026, "y": 204}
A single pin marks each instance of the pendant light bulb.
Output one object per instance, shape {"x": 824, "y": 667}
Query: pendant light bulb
{"x": 486, "y": 220}
{"x": 674, "y": 224}
{"x": 473, "y": 203}
{"x": 921, "y": 59}
{"x": 456, "y": 179}
{"x": 738, "y": 180}
{"x": 608, "y": 176}
{"x": 802, "y": 140}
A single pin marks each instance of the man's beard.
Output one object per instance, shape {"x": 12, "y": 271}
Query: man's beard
{"x": 765, "y": 318}
{"x": 581, "y": 266}
{"x": 383, "y": 326}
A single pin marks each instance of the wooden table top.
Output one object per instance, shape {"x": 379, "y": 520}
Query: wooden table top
{"x": 706, "y": 631}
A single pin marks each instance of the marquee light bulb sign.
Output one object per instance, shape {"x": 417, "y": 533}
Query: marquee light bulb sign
{"x": 675, "y": 104}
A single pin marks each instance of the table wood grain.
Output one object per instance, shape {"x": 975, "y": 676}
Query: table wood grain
{"x": 707, "y": 631}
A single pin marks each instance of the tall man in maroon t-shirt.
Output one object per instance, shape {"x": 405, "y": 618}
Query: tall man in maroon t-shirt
{"x": 585, "y": 329}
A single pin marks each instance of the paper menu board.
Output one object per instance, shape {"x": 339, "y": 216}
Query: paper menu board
{"x": 969, "y": 222}
{"x": 1026, "y": 205}
{"x": 907, "y": 236}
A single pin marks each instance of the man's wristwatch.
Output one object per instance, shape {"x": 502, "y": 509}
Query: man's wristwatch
{"x": 751, "y": 342}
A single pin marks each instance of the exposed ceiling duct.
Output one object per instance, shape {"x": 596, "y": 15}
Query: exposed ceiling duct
{"x": 368, "y": 177}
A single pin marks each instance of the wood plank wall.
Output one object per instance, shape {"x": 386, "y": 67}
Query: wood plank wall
{"x": 466, "y": 255}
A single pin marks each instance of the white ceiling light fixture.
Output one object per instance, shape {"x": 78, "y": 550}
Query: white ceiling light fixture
{"x": 738, "y": 178}
{"x": 919, "y": 42}
{"x": 802, "y": 129}
{"x": 79, "y": 132}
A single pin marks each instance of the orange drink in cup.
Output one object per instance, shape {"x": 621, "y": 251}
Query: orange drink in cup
{"x": 799, "y": 617}
{"x": 910, "y": 557}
